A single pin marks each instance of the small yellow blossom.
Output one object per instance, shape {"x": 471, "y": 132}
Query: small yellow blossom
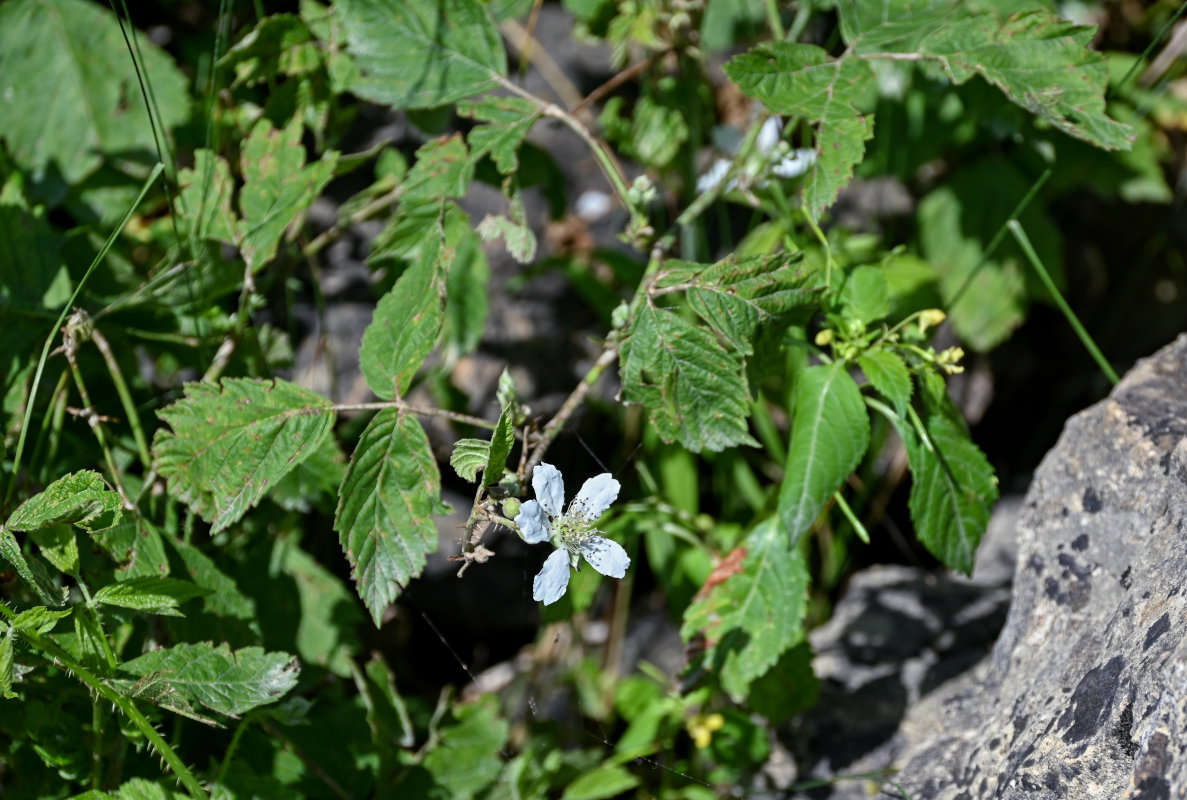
{"x": 824, "y": 337}
{"x": 702, "y": 726}
{"x": 949, "y": 359}
{"x": 930, "y": 317}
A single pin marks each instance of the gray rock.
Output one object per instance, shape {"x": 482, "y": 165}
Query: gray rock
{"x": 1085, "y": 692}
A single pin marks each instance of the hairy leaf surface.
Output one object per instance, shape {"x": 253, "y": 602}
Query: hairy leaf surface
{"x": 421, "y": 53}
{"x": 226, "y": 682}
{"x": 81, "y": 498}
{"x": 230, "y": 443}
{"x": 152, "y": 594}
{"x": 830, "y": 432}
{"x": 384, "y": 519}
{"x": 754, "y": 615}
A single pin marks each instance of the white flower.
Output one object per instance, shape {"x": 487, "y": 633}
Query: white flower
{"x": 572, "y": 533}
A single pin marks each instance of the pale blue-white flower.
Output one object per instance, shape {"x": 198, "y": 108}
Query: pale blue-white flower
{"x": 571, "y": 532}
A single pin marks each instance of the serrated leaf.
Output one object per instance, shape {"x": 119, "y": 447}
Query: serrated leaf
{"x": 69, "y": 113}
{"x": 692, "y": 387}
{"x": 467, "y": 293}
{"x": 31, "y": 570}
{"x": 888, "y": 374}
{"x": 314, "y": 482}
{"x": 443, "y": 169}
{"x": 39, "y": 619}
{"x": 467, "y": 759}
{"x": 755, "y": 614}
{"x": 952, "y": 493}
{"x": 736, "y": 296}
{"x": 421, "y": 53}
{"x": 404, "y": 327}
{"x": 601, "y": 782}
{"x": 226, "y": 682}
{"x": 830, "y": 432}
{"x": 469, "y": 456}
{"x": 154, "y": 595}
{"x": 221, "y": 595}
{"x": 205, "y": 198}
{"x": 230, "y": 443}
{"x": 277, "y": 186}
{"x": 80, "y": 498}
{"x": 6, "y": 665}
{"x": 502, "y": 439}
{"x": 506, "y": 123}
{"x": 805, "y": 80}
{"x": 513, "y": 229}
{"x": 1040, "y": 62}
{"x": 866, "y": 295}
{"x": 384, "y": 519}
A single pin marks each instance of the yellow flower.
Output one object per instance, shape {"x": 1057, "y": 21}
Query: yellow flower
{"x": 701, "y": 728}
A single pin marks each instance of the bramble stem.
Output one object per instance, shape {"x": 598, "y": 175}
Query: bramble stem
{"x": 477, "y": 422}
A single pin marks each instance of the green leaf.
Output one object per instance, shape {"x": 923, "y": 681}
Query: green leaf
{"x": 31, "y": 570}
{"x": 1040, "y": 62}
{"x": 230, "y": 443}
{"x": 985, "y": 297}
{"x": 221, "y": 596}
{"x": 601, "y": 782}
{"x": 513, "y": 229}
{"x": 755, "y": 614}
{"x": 314, "y": 482}
{"x": 804, "y": 80}
{"x": 154, "y": 595}
{"x": 384, "y": 519}
{"x": 277, "y": 187}
{"x": 467, "y": 292}
{"x": 467, "y": 759}
{"x": 39, "y": 619}
{"x": 229, "y": 683}
{"x": 59, "y": 546}
{"x": 888, "y": 374}
{"x": 469, "y": 456}
{"x": 7, "y": 667}
{"x": 404, "y": 328}
{"x": 788, "y": 688}
{"x": 421, "y": 53}
{"x": 865, "y": 296}
{"x": 953, "y": 492}
{"x": 692, "y": 387}
{"x": 502, "y": 439}
{"x": 205, "y": 198}
{"x": 736, "y": 296}
{"x": 80, "y": 498}
{"x": 72, "y": 111}
{"x": 35, "y": 277}
{"x": 507, "y": 122}
{"x": 829, "y": 435}
{"x": 326, "y": 627}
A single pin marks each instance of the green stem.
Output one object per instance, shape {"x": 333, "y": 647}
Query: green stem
{"x": 1024, "y": 242}
{"x": 92, "y": 418}
{"x": 121, "y": 388}
{"x": 545, "y": 437}
{"x": 49, "y": 340}
{"x": 63, "y": 660}
{"x": 860, "y": 529}
{"x": 773, "y": 20}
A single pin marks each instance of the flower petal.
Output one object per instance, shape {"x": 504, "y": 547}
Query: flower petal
{"x": 533, "y": 523}
{"x": 605, "y": 555}
{"x": 595, "y": 496}
{"x": 553, "y": 579}
{"x": 550, "y": 489}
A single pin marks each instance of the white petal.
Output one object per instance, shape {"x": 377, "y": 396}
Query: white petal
{"x": 553, "y": 579}
{"x": 595, "y": 496}
{"x": 605, "y": 555}
{"x": 533, "y": 523}
{"x": 768, "y": 136}
{"x": 550, "y": 489}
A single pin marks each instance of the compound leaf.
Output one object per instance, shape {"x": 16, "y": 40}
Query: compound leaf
{"x": 754, "y": 615}
{"x": 421, "y": 53}
{"x": 830, "y": 432}
{"x": 230, "y": 443}
{"x": 384, "y": 518}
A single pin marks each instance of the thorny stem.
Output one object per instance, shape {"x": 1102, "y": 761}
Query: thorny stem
{"x": 477, "y": 422}
{"x": 543, "y": 439}
{"x": 93, "y": 419}
{"x": 606, "y": 161}
{"x": 54, "y": 653}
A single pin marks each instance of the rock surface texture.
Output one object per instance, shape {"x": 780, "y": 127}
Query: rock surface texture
{"x": 1084, "y": 695}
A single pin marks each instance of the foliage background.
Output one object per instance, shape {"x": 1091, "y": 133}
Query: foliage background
{"x": 299, "y": 181}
